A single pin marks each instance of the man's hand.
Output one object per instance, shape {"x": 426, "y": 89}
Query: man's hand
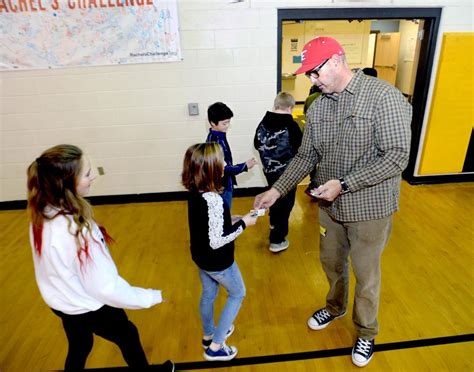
{"x": 267, "y": 199}
{"x": 329, "y": 191}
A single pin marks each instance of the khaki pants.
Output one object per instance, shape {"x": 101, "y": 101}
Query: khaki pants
{"x": 363, "y": 242}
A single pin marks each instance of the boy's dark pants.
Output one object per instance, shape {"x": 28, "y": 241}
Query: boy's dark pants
{"x": 279, "y": 216}
{"x": 107, "y": 322}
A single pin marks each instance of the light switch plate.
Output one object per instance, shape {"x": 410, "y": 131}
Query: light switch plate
{"x": 193, "y": 109}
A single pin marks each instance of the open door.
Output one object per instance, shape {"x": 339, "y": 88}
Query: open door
{"x": 386, "y": 56}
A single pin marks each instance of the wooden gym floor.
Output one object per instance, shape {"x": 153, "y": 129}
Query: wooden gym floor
{"x": 426, "y": 312}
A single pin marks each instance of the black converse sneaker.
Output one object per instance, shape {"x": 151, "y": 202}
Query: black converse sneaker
{"x": 362, "y": 352}
{"x": 321, "y": 319}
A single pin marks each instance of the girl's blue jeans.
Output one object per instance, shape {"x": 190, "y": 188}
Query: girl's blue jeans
{"x": 231, "y": 280}
{"x": 227, "y": 196}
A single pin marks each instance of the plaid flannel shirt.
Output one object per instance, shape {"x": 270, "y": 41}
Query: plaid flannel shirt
{"x": 363, "y": 135}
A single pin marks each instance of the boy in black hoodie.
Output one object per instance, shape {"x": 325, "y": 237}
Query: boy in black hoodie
{"x": 277, "y": 140}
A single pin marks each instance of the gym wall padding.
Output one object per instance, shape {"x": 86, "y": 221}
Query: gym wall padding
{"x": 450, "y": 122}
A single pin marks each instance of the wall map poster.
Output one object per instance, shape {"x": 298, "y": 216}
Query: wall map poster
{"x": 40, "y": 34}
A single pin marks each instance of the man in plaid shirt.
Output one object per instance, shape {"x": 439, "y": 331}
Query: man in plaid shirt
{"x": 358, "y": 134}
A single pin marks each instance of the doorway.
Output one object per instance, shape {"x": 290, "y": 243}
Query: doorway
{"x": 399, "y": 43}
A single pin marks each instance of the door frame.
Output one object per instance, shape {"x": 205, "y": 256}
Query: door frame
{"x": 431, "y": 17}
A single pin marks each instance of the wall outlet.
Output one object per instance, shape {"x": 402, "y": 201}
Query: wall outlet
{"x": 101, "y": 171}
{"x": 193, "y": 109}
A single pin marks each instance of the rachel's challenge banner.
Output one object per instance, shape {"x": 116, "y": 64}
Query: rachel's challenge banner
{"x": 37, "y": 34}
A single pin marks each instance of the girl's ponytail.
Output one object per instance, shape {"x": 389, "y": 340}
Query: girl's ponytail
{"x": 34, "y": 207}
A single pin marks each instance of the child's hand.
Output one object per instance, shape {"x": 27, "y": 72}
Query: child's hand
{"x": 235, "y": 217}
{"x": 249, "y": 219}
{"x": 251, "y": 162}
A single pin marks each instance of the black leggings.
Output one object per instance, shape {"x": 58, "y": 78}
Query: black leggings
{"x": 107, "y": 322}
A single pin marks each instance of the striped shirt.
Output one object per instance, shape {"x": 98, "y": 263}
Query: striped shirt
{"x": 363, "y": 135}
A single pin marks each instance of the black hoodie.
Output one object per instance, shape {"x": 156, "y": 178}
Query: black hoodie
{"x": 277, "y": 140}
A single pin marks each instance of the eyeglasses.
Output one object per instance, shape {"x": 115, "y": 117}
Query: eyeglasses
{"x": 315, "y": 71}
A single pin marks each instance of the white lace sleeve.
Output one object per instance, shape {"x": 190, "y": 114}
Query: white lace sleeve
{"x": 215, "y": 206}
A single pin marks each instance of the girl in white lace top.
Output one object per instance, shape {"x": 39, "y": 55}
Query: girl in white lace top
{"x": 212, "y": 235}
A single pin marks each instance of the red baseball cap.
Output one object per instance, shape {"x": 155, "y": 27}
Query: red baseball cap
{"x": 317, "y": 51}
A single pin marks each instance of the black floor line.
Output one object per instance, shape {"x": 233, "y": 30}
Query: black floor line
{"x": 308, "y": 354}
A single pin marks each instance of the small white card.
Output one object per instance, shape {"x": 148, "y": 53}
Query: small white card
{"x": 257, "y": 212}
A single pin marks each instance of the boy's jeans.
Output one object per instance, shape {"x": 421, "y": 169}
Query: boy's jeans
{"x": 231, "y": 280}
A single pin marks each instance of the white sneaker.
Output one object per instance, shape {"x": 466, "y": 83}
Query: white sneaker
{"x": 278, "y": 247}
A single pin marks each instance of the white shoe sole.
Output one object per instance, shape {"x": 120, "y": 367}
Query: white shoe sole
{"x": 361, "y": 364}
{"x": 316, "y": 327}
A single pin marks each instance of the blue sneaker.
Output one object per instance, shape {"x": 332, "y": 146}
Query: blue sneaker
{"x": 207, "y": 343}
{"x": 225, "y": 353}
